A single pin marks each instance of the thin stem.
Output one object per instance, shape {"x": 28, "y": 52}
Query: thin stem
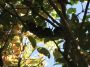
{"x": 85, "y": 13}
{"x": 82, "y": 7}
{"x": 58, "y": 48}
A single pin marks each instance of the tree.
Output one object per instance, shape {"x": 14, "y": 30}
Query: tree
{"x": 48, "y": 20}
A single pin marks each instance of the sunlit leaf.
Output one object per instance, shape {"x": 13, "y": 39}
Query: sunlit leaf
{"x": 25, "y": 13}
{"x": 44, "y": 51}
{"x": 54, "y": 14}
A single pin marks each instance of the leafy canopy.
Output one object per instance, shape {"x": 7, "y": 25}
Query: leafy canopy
{"x": 25, "y": 23}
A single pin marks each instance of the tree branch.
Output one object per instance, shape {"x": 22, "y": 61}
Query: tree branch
{"x": 68, "y": 32}
{"x": 64, "y": 22}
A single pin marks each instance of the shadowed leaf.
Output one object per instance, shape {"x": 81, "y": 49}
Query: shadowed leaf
{"x": 44, "y": 51}
{"x": 33, "y": 41}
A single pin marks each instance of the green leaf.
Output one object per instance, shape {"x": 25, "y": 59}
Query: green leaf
{"x": 56, "y": 54}
{"x": 40, "y": 22}
{"x": 46, "y": 40}
{"x": 5, "y": 18}
{"x": 60, "y": 60}
{"x": 88, "y": 8}
{"x": 44, "y": 51}
{"x": 60, "y": 41}
{"x": 64, "y": 65}
{"x": 74, "y": 1}
{"x": 18, "y": 44}
{"x": 40, "y": 2}
{"x": 54, "y": 14}
{"x": 81, "y": 0}
{"x": 87, "y": 17}
{"x": 71, "y": 10}
{"x": 33, "y": 41}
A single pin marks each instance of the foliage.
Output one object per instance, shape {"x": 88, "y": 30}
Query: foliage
{"x": 25, "y": 23}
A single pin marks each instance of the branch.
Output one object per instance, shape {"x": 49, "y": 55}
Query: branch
{"x": 68, "y": 31}
{"x": 85, "y": 13}
{"x": 80, "y": 13}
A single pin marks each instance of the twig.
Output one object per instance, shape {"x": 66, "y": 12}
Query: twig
{"x": 67, "y": 59}
{"x": 80, "y": 13}
{"x": 85, "y": 13}
{"x": 58, "y": 48}
{"x": 82, "y": 7}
